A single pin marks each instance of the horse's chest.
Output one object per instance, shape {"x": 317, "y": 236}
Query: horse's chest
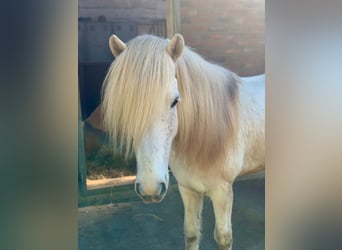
{"x": 189, "y": 178}
{"x": 191, "y": 181}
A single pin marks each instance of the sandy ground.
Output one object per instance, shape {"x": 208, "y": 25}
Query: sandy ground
{"x": 134, "y": 225}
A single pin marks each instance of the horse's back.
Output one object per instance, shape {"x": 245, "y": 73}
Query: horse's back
{"x": 252, "y": 100}
{"x": 256, "y": 78}
{"x": 254, "y": 89}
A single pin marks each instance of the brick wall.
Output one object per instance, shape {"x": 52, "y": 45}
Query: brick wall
{"x": 228, "y": 32}
{"x": 133, "y": 10}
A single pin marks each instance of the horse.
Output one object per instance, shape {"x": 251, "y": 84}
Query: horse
{"x": 170, "y": 107}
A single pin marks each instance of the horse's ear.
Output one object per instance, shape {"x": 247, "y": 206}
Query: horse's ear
{"x": 116, "y": 45}
{"x": 175, "y": 46}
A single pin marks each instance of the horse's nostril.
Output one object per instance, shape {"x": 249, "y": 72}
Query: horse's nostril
{"x": 162, "y": 189}
{"x": 138, "y": 189}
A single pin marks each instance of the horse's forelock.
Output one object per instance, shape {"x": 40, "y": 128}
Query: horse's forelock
{"x": 135, "y": 85}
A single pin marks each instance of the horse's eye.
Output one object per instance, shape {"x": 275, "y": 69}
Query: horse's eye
{"x": 175, "y": 101}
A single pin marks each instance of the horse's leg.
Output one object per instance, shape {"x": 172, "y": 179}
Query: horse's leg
{"x": 222, "y": 198}
{"x": 193, "y": 202}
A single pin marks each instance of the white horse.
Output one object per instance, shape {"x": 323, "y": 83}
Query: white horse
{"x": 172, "y": 108}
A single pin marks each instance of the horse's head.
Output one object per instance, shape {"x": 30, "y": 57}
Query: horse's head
{"x": 152, "y": 150}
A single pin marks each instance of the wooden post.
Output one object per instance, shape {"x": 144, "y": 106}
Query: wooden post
{"x": 173, "y": 17}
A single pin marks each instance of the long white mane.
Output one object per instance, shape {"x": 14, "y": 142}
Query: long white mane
{"x": 137, "y": 82}
{"x": 208, "y": 114}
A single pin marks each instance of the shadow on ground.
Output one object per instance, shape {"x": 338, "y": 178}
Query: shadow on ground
{"x": 134, "y": 225}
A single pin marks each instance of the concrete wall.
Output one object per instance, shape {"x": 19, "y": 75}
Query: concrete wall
{"x": 229, "y": 32}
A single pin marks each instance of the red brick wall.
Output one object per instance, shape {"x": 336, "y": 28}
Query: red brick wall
{"x": 228, "y": 32}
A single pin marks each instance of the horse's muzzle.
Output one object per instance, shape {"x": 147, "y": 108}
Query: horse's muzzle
{"x": 151, "y": 198}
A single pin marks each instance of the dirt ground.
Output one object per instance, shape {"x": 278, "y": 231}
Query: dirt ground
{"x": 134, "y": 225}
